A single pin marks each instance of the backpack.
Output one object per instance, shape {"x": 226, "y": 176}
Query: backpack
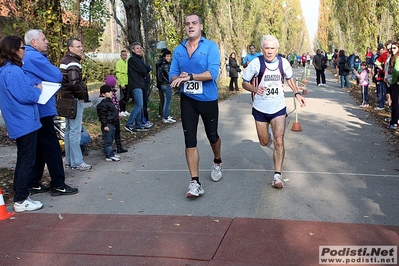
{"x": 256, "y": 80}
{"x": 347, "y": 67}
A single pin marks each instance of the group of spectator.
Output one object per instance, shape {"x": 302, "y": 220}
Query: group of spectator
{"x": 380, "y": 68}
{"x": 23, "y": 68}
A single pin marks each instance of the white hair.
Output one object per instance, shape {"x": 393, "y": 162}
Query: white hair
{"x": 269, "y": 38}
{"x": 32, "y": 35}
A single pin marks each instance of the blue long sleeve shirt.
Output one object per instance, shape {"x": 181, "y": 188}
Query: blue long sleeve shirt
{"x": 18, "y": 101}
{"x": 38, "y": 68}
{"x": 205, "y": 57}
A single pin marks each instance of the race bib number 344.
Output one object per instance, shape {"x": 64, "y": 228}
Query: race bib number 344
{"x": 193, "y": 87}
{"x": 272, "y": 91}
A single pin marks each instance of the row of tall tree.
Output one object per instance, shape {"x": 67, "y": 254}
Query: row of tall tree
{"x": 356, "y": 25}
{"x": 232, "y": 24}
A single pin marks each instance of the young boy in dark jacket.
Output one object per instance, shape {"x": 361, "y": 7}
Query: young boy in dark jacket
{"x": 108, "y": 115}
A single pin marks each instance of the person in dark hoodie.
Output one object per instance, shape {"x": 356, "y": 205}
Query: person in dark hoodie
{"x": 136, "y": 72}
{"x": 108, "y": 115}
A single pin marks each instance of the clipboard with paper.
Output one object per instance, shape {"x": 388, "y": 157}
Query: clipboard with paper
{"x": 48, "y": 90}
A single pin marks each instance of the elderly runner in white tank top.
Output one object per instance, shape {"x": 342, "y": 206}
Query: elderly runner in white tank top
{"x": 269, "y": 106}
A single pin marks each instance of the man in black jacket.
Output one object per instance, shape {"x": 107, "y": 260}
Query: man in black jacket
{"x": 318, "y": 63}
{"x": 136, "y": 72}
{"x": 72, "y": 88}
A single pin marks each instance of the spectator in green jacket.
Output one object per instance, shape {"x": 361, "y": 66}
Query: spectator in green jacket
{"x": 121, "y": 76}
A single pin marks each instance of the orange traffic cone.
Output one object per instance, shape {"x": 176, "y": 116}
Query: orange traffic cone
{"x": 4, "y": 215}
{"x": 296, "y": 126}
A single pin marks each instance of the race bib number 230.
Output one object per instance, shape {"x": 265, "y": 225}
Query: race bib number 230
{"x": 193, "y": 87}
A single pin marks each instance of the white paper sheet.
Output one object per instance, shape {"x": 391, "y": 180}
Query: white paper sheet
{"x": 49, "y": 89}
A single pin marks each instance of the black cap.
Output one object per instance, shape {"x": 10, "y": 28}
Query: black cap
{"x": 105, "y": 88}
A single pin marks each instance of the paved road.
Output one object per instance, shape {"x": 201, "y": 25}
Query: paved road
{"x": 340, "y": 168}
{"x": 342, "y": 189}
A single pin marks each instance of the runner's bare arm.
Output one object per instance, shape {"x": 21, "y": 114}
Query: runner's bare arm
{"x": 295, "y": 89}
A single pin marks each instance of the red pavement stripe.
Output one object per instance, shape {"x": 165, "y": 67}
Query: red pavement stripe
{"x": 44, "y": 239}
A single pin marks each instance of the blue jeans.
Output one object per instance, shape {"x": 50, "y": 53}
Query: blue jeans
{"x": 26, "y": 155}
{"x": 381, "y": 93}
{"x": 167, "y": 94}
{"x": 345, "y": 79}
{"x": 108, "y": 139}
{"x": 135, "y": 114}
{"x": 73, "y": 127}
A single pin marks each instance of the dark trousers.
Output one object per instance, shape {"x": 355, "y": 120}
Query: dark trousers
{"x": 365, "y": 94}
{"x": 395, "y": 104}
{"x": 320, "y": 73}
{"x": 161, "y": 101}
{"x": 118, "y": 141}
{"x": 48, "y": 151}
{"x": 233, "y": 84}
{"x": 145, "y": 100}
{"x": 108, "y": 139}
{"x": 124, "y": 98}
{"x": 26, "y": 153}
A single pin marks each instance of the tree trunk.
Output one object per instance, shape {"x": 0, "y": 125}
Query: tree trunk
{"x": 133, "y": 17}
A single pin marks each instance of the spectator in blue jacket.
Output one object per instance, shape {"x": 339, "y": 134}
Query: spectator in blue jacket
{"x": 18, "y": 104}
{"x": 38, "y": 68}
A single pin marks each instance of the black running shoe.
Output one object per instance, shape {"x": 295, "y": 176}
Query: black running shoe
{"x": 63, "y": 190}
{"x": 39, "y": 189}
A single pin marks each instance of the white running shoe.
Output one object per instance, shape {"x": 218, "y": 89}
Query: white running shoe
{"x": 27, "y": 205}
{"x": 126, "y": 113}
{"x": 270, "y": 136}
{"x": 277, "y": 181}
{"x": 113, "y": 159}
{"x": 168, "y": 120}
{"x": 216, "y": 173}
{"x": 82, "y": 167}
{"x": 194, "y": 189}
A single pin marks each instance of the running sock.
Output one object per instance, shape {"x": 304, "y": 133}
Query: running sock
{"x": 277, "y": 173}
{"x": 196, "y": 178}
{"x": 218, "y": 161}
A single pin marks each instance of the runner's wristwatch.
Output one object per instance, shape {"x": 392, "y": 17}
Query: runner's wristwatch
{"x": 191, "y": 76}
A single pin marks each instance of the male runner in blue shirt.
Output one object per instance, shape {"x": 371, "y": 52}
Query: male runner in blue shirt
{"x": 195, "y": 68}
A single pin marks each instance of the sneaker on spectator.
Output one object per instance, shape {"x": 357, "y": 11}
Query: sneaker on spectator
{"x": 63, "y": 190}
{"x": 142, "y": 129}
{"x": 393, "y": 126}
{"x": 216, "y": 173}
{"x": 148, "y": 125}
{"x": 126, "y": 113}
{"x": 82, "y": 167}
{"x": 194, "y": 189}
{"x": 277, "y": 181}
{"x": 113, "y": 159}
{"x": 168, "y": 120}
{"x": 122, "y": 114}
{"x": 39, "y": 189}
{"x": 378, "y": 108}
{"x": 27, "y": 205}
{"x": 130, "y": 129}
